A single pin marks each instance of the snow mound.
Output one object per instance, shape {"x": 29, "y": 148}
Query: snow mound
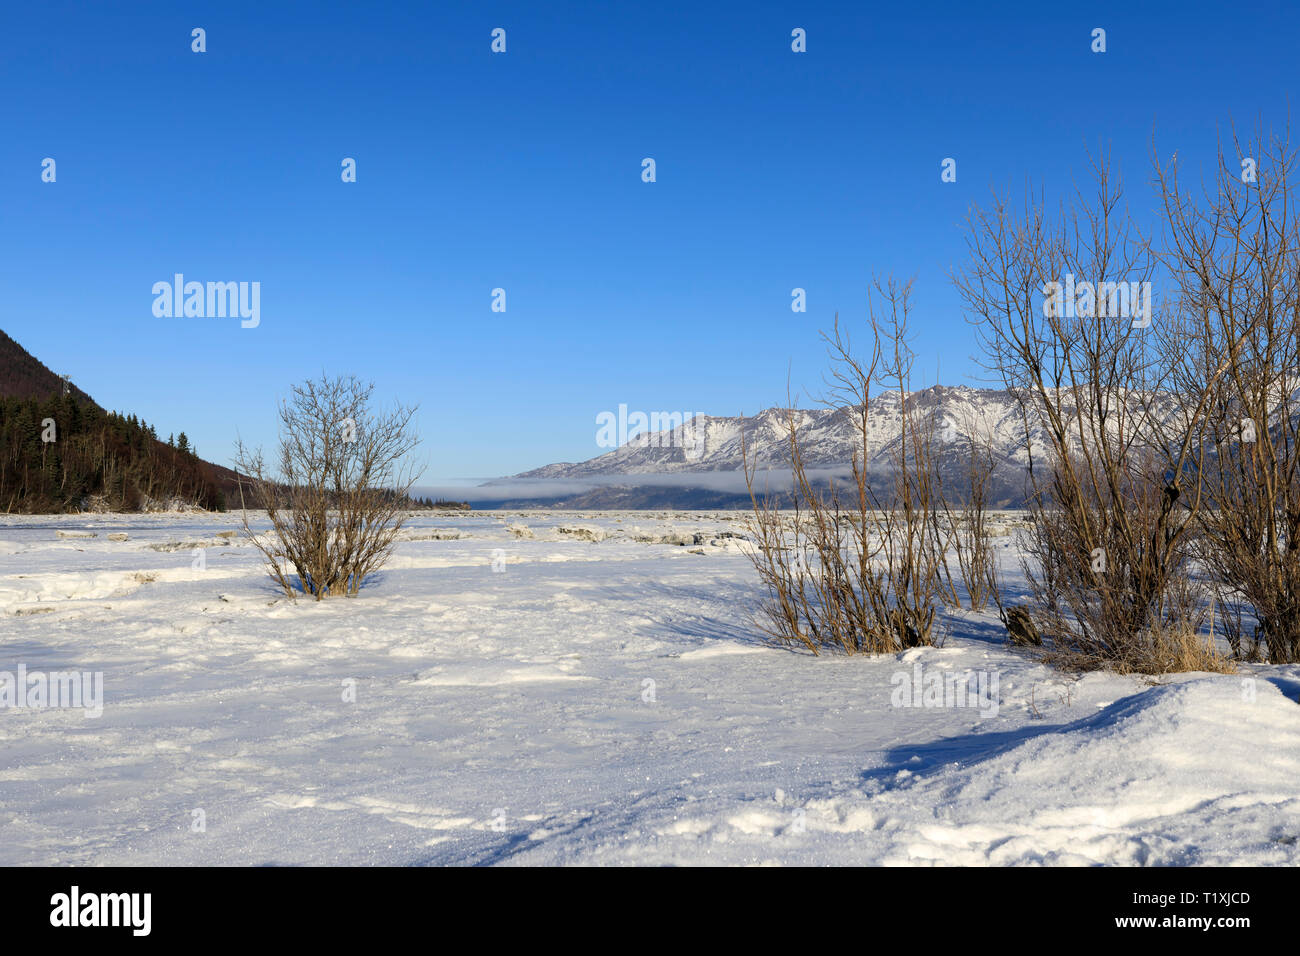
{"x": 1178, "y": 774}
{"x": 1197, "y": 772}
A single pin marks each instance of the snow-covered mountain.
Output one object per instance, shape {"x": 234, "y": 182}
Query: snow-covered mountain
{"x": 698, "y": 464}
{"x": 827, "y": 436}
{"x": 711, "y": 448}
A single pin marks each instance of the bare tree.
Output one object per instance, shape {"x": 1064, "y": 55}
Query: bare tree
{"x": 1113, "y": 491}
{"x": 1235, "y": 255}
{"x": 337, "y": 493}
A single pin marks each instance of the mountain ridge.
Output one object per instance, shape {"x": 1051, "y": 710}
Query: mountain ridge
{"x": 711, "y": 446}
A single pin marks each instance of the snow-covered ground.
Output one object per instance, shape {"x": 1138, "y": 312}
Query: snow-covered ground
{"x": 506, "y": 691}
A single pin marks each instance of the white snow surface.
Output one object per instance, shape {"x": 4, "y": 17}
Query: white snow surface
{"x": 508, "y": 716}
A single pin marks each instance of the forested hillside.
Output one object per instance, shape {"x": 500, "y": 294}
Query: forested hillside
{"x": 63, "y": 452}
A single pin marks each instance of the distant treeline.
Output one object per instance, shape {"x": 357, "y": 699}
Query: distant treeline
{"x": 62, "y": 454}
{"x": 442, "y": 504}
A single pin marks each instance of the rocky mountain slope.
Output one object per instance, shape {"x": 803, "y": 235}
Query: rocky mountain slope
{"x": 698, "y": 464}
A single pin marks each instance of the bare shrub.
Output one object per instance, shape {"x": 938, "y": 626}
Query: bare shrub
{"x": 1109, "y": 549}
{"x": 1162, "y": 440}
{"x": 967, "y": 527}
{"x": 1235, "y": 252}
{"x": 856, "y": 565}
{"x": 338, "y": 491}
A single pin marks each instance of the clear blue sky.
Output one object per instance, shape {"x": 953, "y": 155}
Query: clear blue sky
{"x": 523, "y": 171}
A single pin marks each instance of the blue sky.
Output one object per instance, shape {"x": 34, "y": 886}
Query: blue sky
{"x": 522, "y": 171}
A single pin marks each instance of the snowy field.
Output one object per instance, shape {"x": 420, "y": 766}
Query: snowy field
{"x": 534, "y": 688}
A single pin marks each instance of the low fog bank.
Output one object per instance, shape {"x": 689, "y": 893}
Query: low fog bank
{"x": 714, "y": 489}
